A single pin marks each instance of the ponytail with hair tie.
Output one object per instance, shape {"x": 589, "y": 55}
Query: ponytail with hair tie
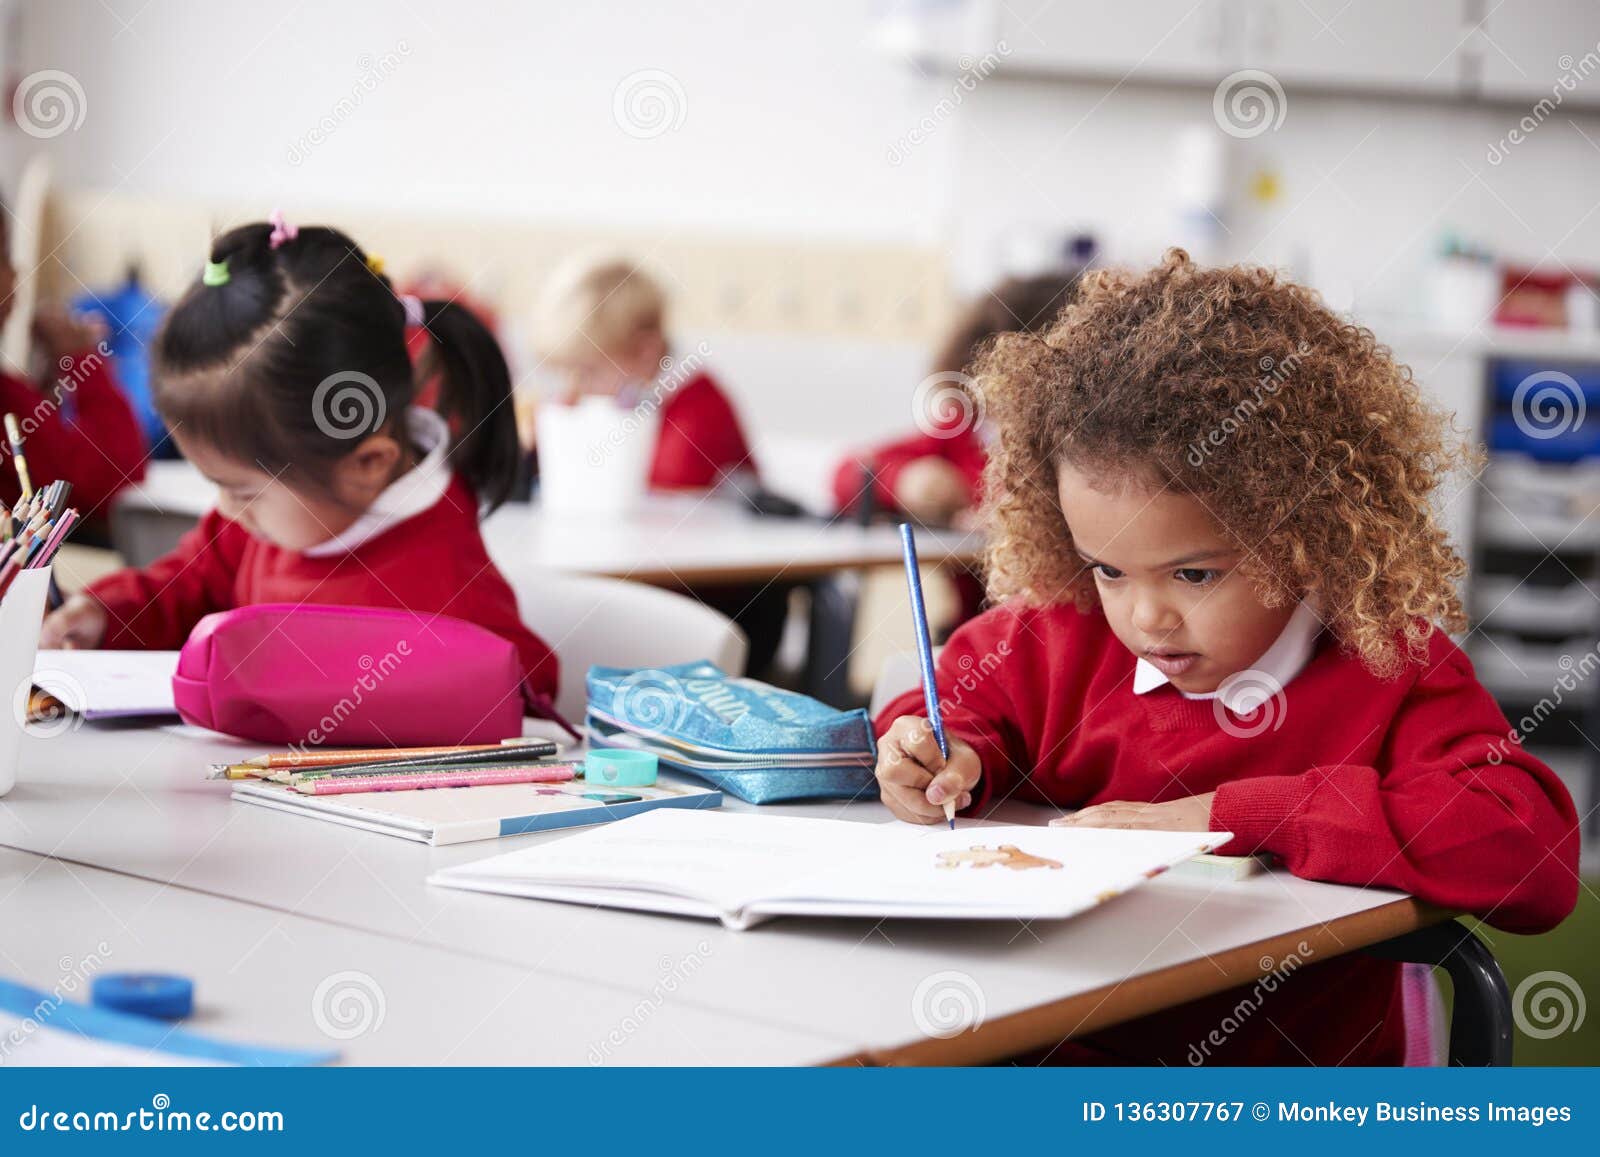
{"x": 415, "y": 314}
{"x": 279, "y": 310}
{"x": 475, "y": 398}
{"x": 282, "y": 231}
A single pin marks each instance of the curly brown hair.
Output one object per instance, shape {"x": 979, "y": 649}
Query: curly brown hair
{"x": 1311, "y": 446}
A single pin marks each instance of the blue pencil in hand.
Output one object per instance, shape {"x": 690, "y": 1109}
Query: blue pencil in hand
{"x": 930, "y": 685}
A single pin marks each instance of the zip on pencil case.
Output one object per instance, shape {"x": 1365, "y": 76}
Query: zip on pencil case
{"x": 613, "y": 732}
{"x": 758, "y": 742}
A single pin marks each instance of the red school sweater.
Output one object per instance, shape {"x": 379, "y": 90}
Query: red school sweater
{"x": 1407, "y": 783}
{"x": 700, "y": 439}
{"x": 433, "y": 563}
{"x": 89, "y": 437}
{"x": 962, "y": 448}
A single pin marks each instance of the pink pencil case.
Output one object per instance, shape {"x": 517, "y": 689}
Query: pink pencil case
{"x": 315, "y": 675}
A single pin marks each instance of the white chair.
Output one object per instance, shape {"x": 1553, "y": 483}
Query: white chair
{"x": 589, "y": 620}
{"x": 901, "y": 672}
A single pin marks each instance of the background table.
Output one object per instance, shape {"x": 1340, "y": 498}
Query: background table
{"x": 676, "y": 539}
{"x": 132, "y": 802}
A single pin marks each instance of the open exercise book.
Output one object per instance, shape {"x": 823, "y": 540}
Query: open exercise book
{"x": 108, "y": 684}
{"x": 742, "y": 869}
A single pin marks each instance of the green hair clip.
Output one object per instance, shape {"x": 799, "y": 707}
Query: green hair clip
{"x": 216, "y": 273}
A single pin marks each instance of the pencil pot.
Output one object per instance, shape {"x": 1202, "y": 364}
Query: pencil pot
{"x": 594, "y": 457}
{"x": 348, "y": 676}
{"x": 21, "y": 613}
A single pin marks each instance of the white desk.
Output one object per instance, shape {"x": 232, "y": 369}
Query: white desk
{"x": 258, "y": 972}
{"x": 170, "y": 487}
{"x": 132, "y": 801}
{"x": 670, "y": 539}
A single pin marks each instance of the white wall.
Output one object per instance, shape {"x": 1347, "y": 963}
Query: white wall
{"x": 495, "y": 106}
{"x": 1367, "y": 184}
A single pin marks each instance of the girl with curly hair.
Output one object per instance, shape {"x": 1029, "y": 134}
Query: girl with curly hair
{"x": 1224, "y": 596}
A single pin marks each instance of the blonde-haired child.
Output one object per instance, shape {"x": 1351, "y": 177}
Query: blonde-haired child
{"x": 601, "y": 325}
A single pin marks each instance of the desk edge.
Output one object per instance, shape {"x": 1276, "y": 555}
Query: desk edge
{"x": 1087, "y": 1012}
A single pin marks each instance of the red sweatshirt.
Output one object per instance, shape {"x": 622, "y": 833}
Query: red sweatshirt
{"x": 700, "y": 439}
{"x": 434, "y": 563}
{"x": 963, "y": 450}
{"x": 1407, "y": 784}
{"x": 90, "y": 438}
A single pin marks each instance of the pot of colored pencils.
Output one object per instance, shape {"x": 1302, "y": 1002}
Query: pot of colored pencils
{"x": 32, "y": 531}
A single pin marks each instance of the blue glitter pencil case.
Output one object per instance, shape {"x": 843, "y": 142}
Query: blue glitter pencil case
{"x": 758, "y": 742}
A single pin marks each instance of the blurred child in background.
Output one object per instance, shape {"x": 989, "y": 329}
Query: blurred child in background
{"x": 601, "y": 327}
{"x": 932, "y": 476}
{"x": 77, "y": 427}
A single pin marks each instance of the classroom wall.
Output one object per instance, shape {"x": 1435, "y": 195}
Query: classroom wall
{"x": 1367, "y": 184}
{"x": 496, "y": 106}
{"x": 794, "y": 122}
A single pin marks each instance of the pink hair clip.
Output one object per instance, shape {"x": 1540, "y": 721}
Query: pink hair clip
{"x": 415, "y": 314}
{"x": 282, "y": 231}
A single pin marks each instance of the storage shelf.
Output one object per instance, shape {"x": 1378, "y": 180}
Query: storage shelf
{"x": 1499, "y": 527}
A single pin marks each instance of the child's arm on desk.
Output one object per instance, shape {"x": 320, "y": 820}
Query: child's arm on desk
{"x": 1192, "y": 813}
{"x": 156, "y": 607}
{"x": 1455, "y": 812}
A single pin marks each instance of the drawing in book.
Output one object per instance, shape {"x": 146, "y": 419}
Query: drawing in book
{"x": 1006, "y": 856}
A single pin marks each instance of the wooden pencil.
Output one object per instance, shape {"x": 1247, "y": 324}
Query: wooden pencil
{"x": 18, "y": 459}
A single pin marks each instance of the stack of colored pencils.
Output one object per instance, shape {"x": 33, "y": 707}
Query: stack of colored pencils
{"x": 405, "y": 769}
{"x": 33, "y": 530}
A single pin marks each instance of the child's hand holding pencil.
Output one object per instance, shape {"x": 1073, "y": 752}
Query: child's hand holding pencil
{"x": 916, "y": 780}
{"x": 923, "y": 774}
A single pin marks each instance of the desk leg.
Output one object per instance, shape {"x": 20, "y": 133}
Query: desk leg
{"x": 1591, "y": 721}
{"x": 1480, "y": 1022}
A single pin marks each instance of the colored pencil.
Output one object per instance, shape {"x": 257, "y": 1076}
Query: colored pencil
{"x": 503, "y": 758}
{"x": 18, "y": 459}
{"x": 414, "y": 767}
{"x": 63, "y": 526}
{"x": 262, "y": 765}
{"x": 465, "y": 777}
{"x": 930, "y": 685}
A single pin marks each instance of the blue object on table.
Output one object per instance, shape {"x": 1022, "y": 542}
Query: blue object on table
{"x": 919, "y": 617}
{"x": 619, "y": 768}
{"x": 144, "y": 994}
{"x": 120, "y": 1030}
{"x": 761, "y": 743}
{"x": 131, "y": 316}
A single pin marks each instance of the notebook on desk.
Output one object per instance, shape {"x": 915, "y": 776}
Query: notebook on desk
{"x": 446, "y": 815}
{"x": 743, "y": 869}
{"x": 108, "y": 684}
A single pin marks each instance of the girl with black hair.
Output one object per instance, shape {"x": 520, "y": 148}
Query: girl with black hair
{"x": 284, "y": 377}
